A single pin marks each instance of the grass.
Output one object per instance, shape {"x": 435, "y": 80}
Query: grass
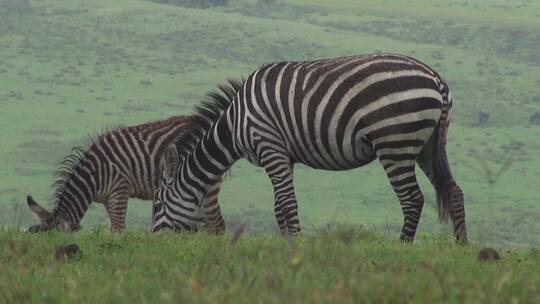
{"x": 345, "y": 265}
{"x": 71, "y": 68}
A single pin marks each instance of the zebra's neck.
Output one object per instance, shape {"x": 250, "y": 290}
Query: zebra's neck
{"x": 211, "y": 157}
{"x": 157, "y": 142}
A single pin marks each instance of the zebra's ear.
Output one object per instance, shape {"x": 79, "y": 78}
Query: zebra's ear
{"x": 169, "y": 164}
{"x": 39, "y": 211}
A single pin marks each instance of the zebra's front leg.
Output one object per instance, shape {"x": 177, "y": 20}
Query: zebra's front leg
{"x": 116, "y": 207}
{"x": 403, "y": 180}
{"x": 280, "y": 171}
{"x": 213, "y": 220}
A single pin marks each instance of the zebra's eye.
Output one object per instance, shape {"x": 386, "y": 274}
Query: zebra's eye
{"x": 168, "y": 181}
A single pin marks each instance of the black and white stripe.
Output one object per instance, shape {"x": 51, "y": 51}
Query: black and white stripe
{"x": 335, "y": 114}
{"x": 117, "y": 165}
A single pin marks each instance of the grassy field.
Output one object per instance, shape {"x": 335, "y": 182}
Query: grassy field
{"x": 359, "y": 267}
{"x": 71, "y": 68}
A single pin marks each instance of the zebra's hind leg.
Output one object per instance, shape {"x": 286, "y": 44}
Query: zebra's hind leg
{"x": 457, "y": 211}
{"x": 116, "y": 207}
{"x": 402, "y": 177}
{"x": 280, "y": 171}
{"x": 457, "y": 214}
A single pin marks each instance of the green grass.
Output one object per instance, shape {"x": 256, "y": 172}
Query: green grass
{"x": 346, "y": 265}
{"x": 71, "y": 68}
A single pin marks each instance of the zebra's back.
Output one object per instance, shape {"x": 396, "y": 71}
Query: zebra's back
{"x": 335, "y": 114}
{"x": 135, "y": 152}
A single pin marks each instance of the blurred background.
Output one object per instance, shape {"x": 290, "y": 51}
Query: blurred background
{"x": 69, "y": 69}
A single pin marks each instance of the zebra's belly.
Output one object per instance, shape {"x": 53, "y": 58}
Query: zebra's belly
{"x": 326, "y": 152}
{"x": 340, "y": 156}
{"x": 140, "y": 189}
{"x": 142, "y": 194}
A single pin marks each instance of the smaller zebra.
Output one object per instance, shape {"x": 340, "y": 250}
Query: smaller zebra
{"x": 122, "y": 163}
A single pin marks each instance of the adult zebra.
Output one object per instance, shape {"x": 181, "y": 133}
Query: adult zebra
{"x": 119, "y": 164}
{"x": 334, "y": 114}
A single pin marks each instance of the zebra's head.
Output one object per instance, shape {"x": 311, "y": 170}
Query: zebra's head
{"x": 47, "y": 220}
{"x": 169, "y": 210}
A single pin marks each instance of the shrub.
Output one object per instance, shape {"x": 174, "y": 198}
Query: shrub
{"x": 18, "y": 6}
{"x": 267, "y": 2}
{"x": 195, "y": 3}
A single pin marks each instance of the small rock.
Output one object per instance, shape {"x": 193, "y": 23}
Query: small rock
{"x": 68, "y": 253}
{"x": 488, "y": 254}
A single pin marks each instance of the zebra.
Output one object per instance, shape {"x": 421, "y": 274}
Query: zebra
{"x": 331, "y": 114}
{"x": 121, "y": 163}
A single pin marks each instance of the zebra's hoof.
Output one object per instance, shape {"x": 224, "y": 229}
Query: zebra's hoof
{"x": 292, "y": 233}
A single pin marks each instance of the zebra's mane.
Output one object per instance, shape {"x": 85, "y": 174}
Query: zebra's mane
{"x": 206, "y": 114}
{"x": 63, "y": 174}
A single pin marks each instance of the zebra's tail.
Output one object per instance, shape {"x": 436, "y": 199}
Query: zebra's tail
{"x": 443, "y": 179}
